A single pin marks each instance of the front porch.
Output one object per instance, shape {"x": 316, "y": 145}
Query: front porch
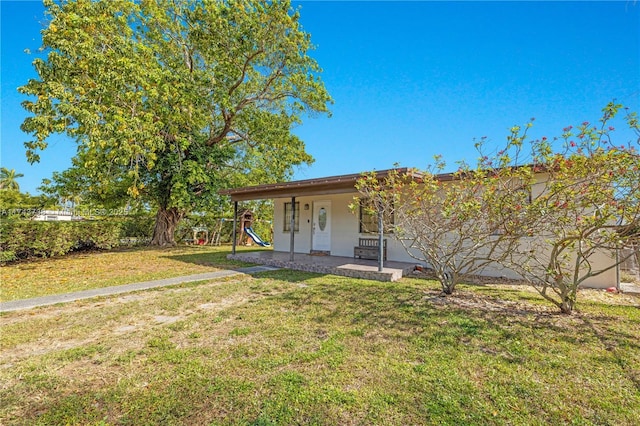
{"x": 336, "y": 265}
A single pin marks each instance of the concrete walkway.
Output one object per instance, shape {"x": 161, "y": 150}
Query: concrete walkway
{"x": 334, "y": 265}
{"x": 16, "y": 305}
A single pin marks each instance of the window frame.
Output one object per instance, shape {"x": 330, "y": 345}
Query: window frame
{"x": 372, "y": 219}
{"x": 287, "y": 217}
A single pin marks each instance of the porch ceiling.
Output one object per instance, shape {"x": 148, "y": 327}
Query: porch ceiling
{"x": 321, "y": 186}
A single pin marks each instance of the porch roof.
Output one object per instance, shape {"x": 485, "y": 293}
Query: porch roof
{"x": 319, "y": 186}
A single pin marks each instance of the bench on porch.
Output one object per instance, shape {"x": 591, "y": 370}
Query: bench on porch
{"x": 368, "y": 248}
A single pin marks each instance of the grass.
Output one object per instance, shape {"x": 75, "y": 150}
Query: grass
{"x": 626, "y": 277}
{"x": 288, "y": 347}
{"x": 84, "y": 271}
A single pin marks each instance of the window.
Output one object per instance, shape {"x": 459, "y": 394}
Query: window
{"x": 369, "y": 219}
{"x": 287, "y": 217}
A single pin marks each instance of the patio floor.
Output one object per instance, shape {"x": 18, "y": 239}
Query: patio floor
{"x": 323, "y": 264}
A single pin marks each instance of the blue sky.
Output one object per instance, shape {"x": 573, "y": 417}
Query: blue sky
{"x": 411, "y": 79}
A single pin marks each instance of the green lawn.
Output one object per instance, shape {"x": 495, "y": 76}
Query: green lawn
{"x": 84, "y": 271}
{"x": 287, "y": 348}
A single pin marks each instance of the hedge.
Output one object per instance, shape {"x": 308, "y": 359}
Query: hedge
{"x": 24, "y": 239}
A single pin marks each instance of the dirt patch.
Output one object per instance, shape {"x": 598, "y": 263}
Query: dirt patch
{"x": 490, "y": 304}
{"x": 121, "y": 321}
{"x": 163, "y": 319}
{"x": 589, "y": 294}
{"x": 604, "y": 296}
{"x": 125, "y": 329}
{"x": 224, "y": 303}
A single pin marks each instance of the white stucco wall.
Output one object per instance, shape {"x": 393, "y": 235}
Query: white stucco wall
{"x": 345, "y": 234}
{"x": 302, "y": 237}
{"x": 344, "y": 228}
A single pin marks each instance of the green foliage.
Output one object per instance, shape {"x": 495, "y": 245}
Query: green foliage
{"x": 26, "y": 239}
{"x": 8, "y": 179}
{"x": 173, "y": 100}
{"x": 219, "y": 223}
{"x": 15, "y": 204}
{"x": 33, "y": 239}
{"x": 7, "y": 256}
{"x": 135, "y": 226}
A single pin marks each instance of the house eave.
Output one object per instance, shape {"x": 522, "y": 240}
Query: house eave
{"x": 342, "y": 184}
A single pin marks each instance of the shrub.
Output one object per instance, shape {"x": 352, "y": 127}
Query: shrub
{"x": 7, "y": 256}
{"x": 138, "y": 226}
{"x": 29, "y": 239}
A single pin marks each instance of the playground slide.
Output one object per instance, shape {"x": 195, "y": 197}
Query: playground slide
{"x": 255, "y": 238}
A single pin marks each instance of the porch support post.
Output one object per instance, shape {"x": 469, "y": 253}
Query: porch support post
{"x": 380, "y": 240}
{"x": 292, "y": 228}
{"x": 235, "y": 224}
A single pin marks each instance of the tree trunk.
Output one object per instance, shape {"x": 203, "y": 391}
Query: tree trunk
{"x": 166, "y": 222}
{"x": 448, "y": 282}
{"x": 566, "y": 306}
{"x": 568, "y": 301}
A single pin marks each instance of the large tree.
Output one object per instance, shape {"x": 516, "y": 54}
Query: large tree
{"x": 173, "y": 99}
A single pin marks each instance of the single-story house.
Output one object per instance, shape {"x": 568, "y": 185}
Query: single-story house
{"x": 325, "y": 228}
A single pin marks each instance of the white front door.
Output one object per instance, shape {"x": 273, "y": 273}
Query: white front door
{"x": 321, "y": 238}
